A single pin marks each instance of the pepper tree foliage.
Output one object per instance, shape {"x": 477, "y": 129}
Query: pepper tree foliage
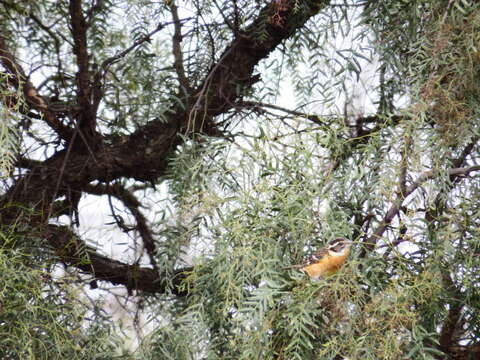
{"x": 174, "y": 112}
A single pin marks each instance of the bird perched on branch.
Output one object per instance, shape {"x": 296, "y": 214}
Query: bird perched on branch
{"x": 328, "y": 260}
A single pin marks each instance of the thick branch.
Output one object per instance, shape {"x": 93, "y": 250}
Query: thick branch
{"x": 447, "y": 333}
{"x": 177, "y": 49}
{"x": 234, "y": 71}
{"x": 79, "y": 28}
{"x": 72, "y": 251}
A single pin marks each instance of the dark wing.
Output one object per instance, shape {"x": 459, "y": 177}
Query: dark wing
{"x": 315, "y": 257}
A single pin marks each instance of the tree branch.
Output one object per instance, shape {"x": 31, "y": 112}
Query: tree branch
{"x": 177, "y": 49}
{"x": 34, "y": 100}
{"x": 73, "y": 251}
{"x": 99, "y": 76}
{"x": 133, "y": 205}
{"x": 147, "y": 37}
{"x": 255, "y": 105}
{"x": 447, "y": 333}
{"x": 87, "y": 118}
{"x": 397, "y": 203}
{"x": 220, "y": 89}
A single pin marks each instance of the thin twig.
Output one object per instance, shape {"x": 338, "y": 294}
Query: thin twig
{"x": 397, "y": 203}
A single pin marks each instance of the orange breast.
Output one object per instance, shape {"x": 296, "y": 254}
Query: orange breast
{"x": 326, "y": 266}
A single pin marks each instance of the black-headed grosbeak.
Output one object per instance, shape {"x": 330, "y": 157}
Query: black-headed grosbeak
{"x": 328, "y": 260}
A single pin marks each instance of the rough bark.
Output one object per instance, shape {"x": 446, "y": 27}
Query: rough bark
{"x": 88, "y": 156}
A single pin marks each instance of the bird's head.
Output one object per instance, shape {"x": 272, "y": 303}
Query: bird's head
{"x": 339, "y": 247}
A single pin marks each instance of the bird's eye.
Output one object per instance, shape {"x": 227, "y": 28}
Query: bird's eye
{"x": 338, "y": 247}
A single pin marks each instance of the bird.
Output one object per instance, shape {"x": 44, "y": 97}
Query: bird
{"x": 328, "y": 260}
